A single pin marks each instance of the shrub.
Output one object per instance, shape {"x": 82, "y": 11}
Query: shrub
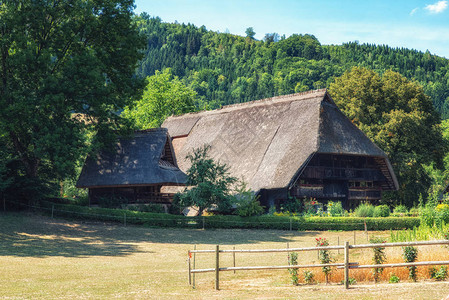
{"x": 150, "y": 207}
{"x": 381, "y": 211}
{"x": 438, "y": 274}
{"x": 292, "y": 205}
{"x": 400, "y": 209}
{"x": 309, "y": 277}
{"x": 335, "y": 209}
{"x": 393, "y": 279}
{"x": 324, "y": 257}
{"x": 442, "y": 214}
{"x": 379, "y": 257}
{"x": 111, "y": 201}
{"x": 247, "y": 202}
{"x": 364, "y": 210}
{"x": 410, "y": 254}
{"x": 293, "y": 260}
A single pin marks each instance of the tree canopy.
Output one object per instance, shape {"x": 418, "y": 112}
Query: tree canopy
{"x": 163, "y": 96}
{"x": 396, "y": 114}
{"x": 57, "y": 59}
{"x": 228, "y": 69}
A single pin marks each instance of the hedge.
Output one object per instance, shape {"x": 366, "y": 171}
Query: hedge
{"x": 230, "y": 221}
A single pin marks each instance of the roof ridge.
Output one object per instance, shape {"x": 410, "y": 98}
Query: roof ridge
{"x": 282, "y": 98}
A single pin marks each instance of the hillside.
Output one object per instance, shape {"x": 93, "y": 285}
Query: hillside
{"x": 224, "y": 68}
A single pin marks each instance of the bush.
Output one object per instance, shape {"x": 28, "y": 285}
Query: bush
{"x": 150, "y": 207}
{"x": 442, "y": 214}
{"x": 247, "y": 202}
{"x": 364, "y": 210}
{"x": 393, "y": 279}
{"x": 293, "y": 261}
{"x": 438, "y": 274}
{"x": 309, "y": 277}
{"x": 400, "y": 209}
{"x": 335, "y": 209}
{"x": 410, "y": 254}
{"x": 381, "y": 211}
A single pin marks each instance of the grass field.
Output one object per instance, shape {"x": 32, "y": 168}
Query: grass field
{"x": 43, "y": 258}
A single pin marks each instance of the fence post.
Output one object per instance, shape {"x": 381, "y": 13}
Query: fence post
{"x": 217, "y": 267}
{"x": 203, "y": 222}
{"x": 194, "y": 265}
{"x": 52, "y": 210}
{"x": 290, "y": 224}
{"x": 124, "y": 219}
{"x": 346, "y": 265}
{"x": 190, "y": 269}
{"x": 233, "y": 257}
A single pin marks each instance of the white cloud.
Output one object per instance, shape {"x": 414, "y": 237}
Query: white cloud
{"x": 414, "y": 11}
{"x": 437, "y": 8}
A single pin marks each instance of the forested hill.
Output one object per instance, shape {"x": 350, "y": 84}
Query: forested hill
{"x": 224, "y": 68}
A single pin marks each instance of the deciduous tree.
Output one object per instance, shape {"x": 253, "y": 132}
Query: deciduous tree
{"x": 164, "y": 96}
{"x": 58, "y": 58}
{"x": 396, "y": 114}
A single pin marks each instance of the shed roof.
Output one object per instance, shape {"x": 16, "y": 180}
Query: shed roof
{"x": 134, "y": 161}
{"x": 267, "y": 142}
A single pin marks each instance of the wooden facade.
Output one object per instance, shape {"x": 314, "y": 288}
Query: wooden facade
{"x": 350, "y": 179}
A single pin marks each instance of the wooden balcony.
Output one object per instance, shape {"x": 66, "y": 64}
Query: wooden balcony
{"x": 342, "y": 173}
{"x": 364, "y": 194}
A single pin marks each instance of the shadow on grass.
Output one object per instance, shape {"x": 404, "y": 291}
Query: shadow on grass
{"x": 39, "y": 236}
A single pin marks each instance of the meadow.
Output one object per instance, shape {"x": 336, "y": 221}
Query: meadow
{"x": 44, "y": 258}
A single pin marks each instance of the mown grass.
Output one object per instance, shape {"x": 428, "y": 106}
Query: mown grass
{"x": 43, "y": 258}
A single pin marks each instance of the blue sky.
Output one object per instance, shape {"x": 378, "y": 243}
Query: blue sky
{"x": 421, "y": 25}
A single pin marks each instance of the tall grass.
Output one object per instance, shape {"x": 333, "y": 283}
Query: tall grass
{"x": 422, "y": 233}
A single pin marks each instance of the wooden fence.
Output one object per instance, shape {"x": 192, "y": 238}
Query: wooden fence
{"x": 346, "y": 265}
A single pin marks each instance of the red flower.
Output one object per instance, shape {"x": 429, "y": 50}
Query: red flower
{"x": 322, "y": 244}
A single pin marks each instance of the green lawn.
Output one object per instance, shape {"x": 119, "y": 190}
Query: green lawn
{"x": 43, "y": 258}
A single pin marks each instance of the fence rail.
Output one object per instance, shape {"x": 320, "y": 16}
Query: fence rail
{"x": 346, "y": 265}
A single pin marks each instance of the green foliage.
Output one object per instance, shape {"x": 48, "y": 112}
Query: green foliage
{"x": 400, "y": 209}
{"x": 149, "y": 207}
{"x": 247, "y": 202}
{"x": 309, "y": 277}
{"x": 381, "y": 211}
{"x": 59, "y": 59}
{"x": 393, "y": 279}
{"x": 164, "y": 95}
{"x": 293, "y": 260}
{"x": 225, "y": 68}
{"x": 111, "y": 202}
{"x": 293, "y": 205}
{"x": 423, "y": 232}
{"x": 324, "y": 256}
{"x": 379, "y": 256}
{"x": 335, "y": 209}
{"x": 210, "y": 183}
{"x": 231, "y": 221}
{"x": 410, "y": 254}
{"x": 364, "y": 210}
{"x": 399, "y": 117}
{"x": 438, "y": 274}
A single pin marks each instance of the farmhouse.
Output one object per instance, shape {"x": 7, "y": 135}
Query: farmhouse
{"x": 298, "y": 145}
{"x": 135, "y": 169}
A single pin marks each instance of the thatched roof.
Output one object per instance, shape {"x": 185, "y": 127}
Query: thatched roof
{"x": 267, "y": 142}
{"x": 135, "y": 161}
